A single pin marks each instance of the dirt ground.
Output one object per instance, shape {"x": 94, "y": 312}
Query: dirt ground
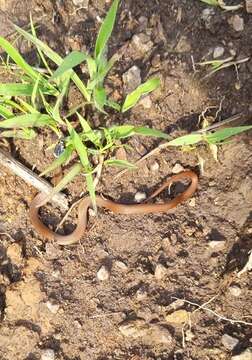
{"x": 52, "y": 304}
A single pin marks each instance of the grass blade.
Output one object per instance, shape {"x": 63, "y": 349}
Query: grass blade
{"x": 186, "y": 140}
{"x": 27, "y": 121}
{"x": 146, "y": 131}
{"x": 18, "y": 59}
{"x": 5, "y": 112}
{"x": 120, "y": 163}
{"x": 62, "y": 159}
{"x": 25, "y": 134}
{"x": 106, "y": 30}
{"x": 142, "y": 89}
{"x": 83, "y": 154}
{"x": 74, "y": 171}
{"x": 16, "y": 89}
{"x": 70, "y": 61}
{"x": 57, "y": 59}
{"x": 221, "y": 135}
{"x": 100, "y": 99}
{"x": 88, "y": 131}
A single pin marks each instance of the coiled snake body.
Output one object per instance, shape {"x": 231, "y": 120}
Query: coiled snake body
{"x": 85, "y": 203}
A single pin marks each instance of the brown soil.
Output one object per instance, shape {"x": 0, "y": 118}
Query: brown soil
{"x": 50, "y": 297}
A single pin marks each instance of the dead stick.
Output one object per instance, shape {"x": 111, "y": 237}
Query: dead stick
{"x": 32, "y": 179}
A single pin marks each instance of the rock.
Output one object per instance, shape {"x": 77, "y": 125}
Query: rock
{"x": 207, "y": 15}
{"x": 183, "y": 45}
{"x": 192, "y": 202}
{"x": 235, "y": 290}
{"x": 160, "y": 272}
{"x": 150, "y": 333}
{"x": 133, "y": 328}
{"x": 103, "y": 273}
{"x": 218, "y": 52}
{"x": 142, "y": 43}
{"x": 52, "y": 307}
{"x": 132, "y": 79}
{"x": 178, "y": 317}
{"x": 177, "y": 168}
{"x": 146, "y": 102}
{"x": 81, "y": 3}
{"x": 237, "y": 23}
{"x": 140, "y": 196}
{"x": 249, "y": 6}
{"x": 155, "y": 62}
{"x": 121, "y": 153}
{"x": 217, "y": 245}
{"x": 245, "y": 355}
{"x": 14, "y": 252}
{"x": 229, "y": 342}
{"x": 121, "y": 265}
{"x": 154, "y": 166}
{"x": 48, "y": 354}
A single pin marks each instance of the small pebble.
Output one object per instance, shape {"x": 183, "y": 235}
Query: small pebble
{"x": 142, "y": 43}
{"x": 160, "y": 272}
{"x": 81, "y": 3}
{"x": 192, "y": 202}
{"x": 178, "y": 317}
{"x": 237, "y": 23}
{"x": 218, "y": 52}
{"x": 140, "y": 196}
{"x": 146, "y": 102}
{"x": 217, "y": 245}
{"x": 154, "y": 167}
{"x": 177, "y": 168}
{"x": 52, "y": 307}
{"x": 132, "y": 79}
{"x": 121, "y": 265}
{"x": 155, "y": 62}
{"x": 229, "y": 342}
{"x": 249, "y": 6}
{"x": 235, "y": 290}
{"x": 103, "y": 273}
{"x": 14, "y": 252}
{"x": 48, "y": 354}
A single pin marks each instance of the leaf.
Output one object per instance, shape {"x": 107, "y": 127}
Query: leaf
{"x": 142, "y": 89}
{"x": 74, "y": 171}
{"x": 186, "y": 140}
{"x": 5, "y": 112}
{"x": 120, "y": 163}
{"x": 122, "y": 131}
{"x": 106, "y": 30}
{"x": 100, "y": 98}
{"x": 26, "y": 121}
{"x": 70, "y": 61}
{"x": 62, "y": 159}
{"x": 146, "y": 131}
{"x": 18, "y": 59}
{"x": 83, "y": 154}
{"x": 226, "y": 133}
{"x": 26, "y": 134}
{"x": 16, "y": 89}
{"x": 92, "y": 67}
{"x": 211, "y": 2}
{"x": 54, "y": 57}
{"x": 88, "y": 131}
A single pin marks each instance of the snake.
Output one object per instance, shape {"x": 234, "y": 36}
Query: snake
{"x": 117, "y": 208}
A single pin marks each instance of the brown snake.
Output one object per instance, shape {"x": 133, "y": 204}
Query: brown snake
{"x": 126, "y": 209}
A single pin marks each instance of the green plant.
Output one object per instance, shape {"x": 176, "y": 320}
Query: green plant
{"x": 222, "y": 5}
{"x": 36, "y": 101}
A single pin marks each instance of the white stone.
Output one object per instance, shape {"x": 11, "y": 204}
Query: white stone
{"x": 140, "y": 196}
{"x": 229, "y": 342}
{"x": 103, "y": 273}
{"x": 177, "y": 168}
{"x": 142, "y": 43}
{"x": 160, "y": 272}
{"x": 217, "y": 245}
{"x": 132, "y": 78}
{"x": 146, "y": 102}
{"x": 235, "y": 290}
{"x": 249, "y": 6}
{"x": 48, "y": 354}
{"x": 121, "y": 265}
{"x": 154, "y": 167}
{"x": 218, "y": 52}
{"x": 52, "y": 307}
{"x": 81, "y": 3}
{"x": 237, "y": 23}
